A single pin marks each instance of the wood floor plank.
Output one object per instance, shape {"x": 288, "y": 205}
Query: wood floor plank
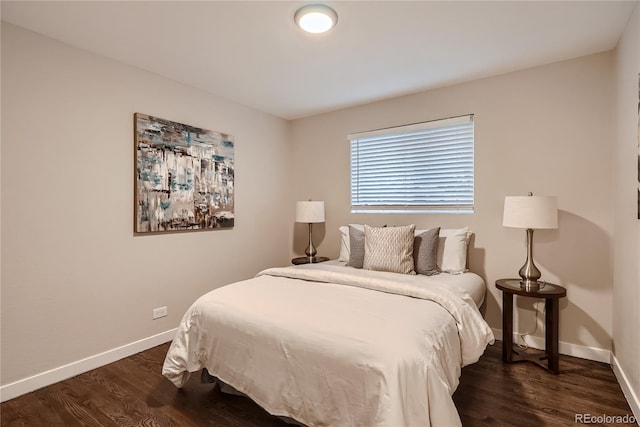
{"x": 132, "y": 392}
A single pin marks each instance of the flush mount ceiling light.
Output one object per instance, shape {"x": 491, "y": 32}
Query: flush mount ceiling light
{"x": 316, "y": 18}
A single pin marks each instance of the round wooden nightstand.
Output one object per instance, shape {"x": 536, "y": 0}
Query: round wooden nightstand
{"x": 551, "y": 294}
{"x": 307, "y": 260}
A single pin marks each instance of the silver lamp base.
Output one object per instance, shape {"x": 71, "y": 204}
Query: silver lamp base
{"x": 311, "y": 251}
{"x": 529, "y": 273}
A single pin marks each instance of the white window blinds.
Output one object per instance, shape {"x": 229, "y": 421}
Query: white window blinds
{"x": 424, "y": 167}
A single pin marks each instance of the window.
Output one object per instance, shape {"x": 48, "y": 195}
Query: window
{"x": 419, "y": 168}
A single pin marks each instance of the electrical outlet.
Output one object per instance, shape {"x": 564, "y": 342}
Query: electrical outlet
{"x": 160, "y": 312}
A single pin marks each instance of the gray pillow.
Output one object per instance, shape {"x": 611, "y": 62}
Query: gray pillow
{"x": 425, "y": 252}
{"x": 356, "y": 247}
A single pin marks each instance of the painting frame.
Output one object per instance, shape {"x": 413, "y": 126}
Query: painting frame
{"x": 183, "y": 177}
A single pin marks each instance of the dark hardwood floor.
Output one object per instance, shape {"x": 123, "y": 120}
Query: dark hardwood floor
{"x": 132, "y": 392}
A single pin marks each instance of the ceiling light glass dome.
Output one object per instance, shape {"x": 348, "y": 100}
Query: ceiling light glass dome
{"x": 316, "y": 18}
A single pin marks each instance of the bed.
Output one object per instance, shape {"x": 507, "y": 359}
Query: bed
{"x": 329, "y": 344}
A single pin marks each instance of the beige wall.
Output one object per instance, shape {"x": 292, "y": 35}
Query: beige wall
{"x": 547, "y": 130}
{"x": 626, "y": 243}
{"x": 75, "y": 281}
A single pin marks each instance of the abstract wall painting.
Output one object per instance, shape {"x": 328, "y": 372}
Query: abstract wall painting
{"x": 184, "y": 177}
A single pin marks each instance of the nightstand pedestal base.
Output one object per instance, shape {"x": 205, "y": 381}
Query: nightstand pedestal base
{"x": 539, "y": 357}
{"x": 551, "y": 294}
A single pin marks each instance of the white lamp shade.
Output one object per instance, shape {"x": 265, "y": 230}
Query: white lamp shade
{"x": 530, "y": 212}
{"x": 310, "y": 211}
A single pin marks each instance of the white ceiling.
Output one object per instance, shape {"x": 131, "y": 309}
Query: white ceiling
{"x": 252, "y": 53}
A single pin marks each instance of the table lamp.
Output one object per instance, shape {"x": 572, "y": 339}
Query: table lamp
{"x": 530, "y": 212}
{"x": 310, "y": 212}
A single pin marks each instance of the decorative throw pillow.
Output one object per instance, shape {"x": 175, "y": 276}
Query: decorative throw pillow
{"x": 389, "y": 249}
{"x": 345, "y": 243}
{"x": 425, "y": 252}
{"x": 452, "y": 250}
{"x": 356, "y": 247}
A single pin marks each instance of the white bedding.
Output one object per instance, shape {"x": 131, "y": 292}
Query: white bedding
{"x": 332, "y": 345}
{"x": 468, "y": 282}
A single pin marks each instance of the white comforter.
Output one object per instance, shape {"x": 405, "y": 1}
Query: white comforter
{"x": 332, "y": 345}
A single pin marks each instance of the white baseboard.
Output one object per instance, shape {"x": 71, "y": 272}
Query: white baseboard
{"x": 575, "y": 350}
{"x": 627, "y": 389}
{"x": 52, "y": 376}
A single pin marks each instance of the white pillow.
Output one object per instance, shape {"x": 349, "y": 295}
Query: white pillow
{"x": 452, "y": 250}
{"x": 453, "y": 260}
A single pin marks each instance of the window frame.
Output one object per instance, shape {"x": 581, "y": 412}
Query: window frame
{"x": 426, "y": 132}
